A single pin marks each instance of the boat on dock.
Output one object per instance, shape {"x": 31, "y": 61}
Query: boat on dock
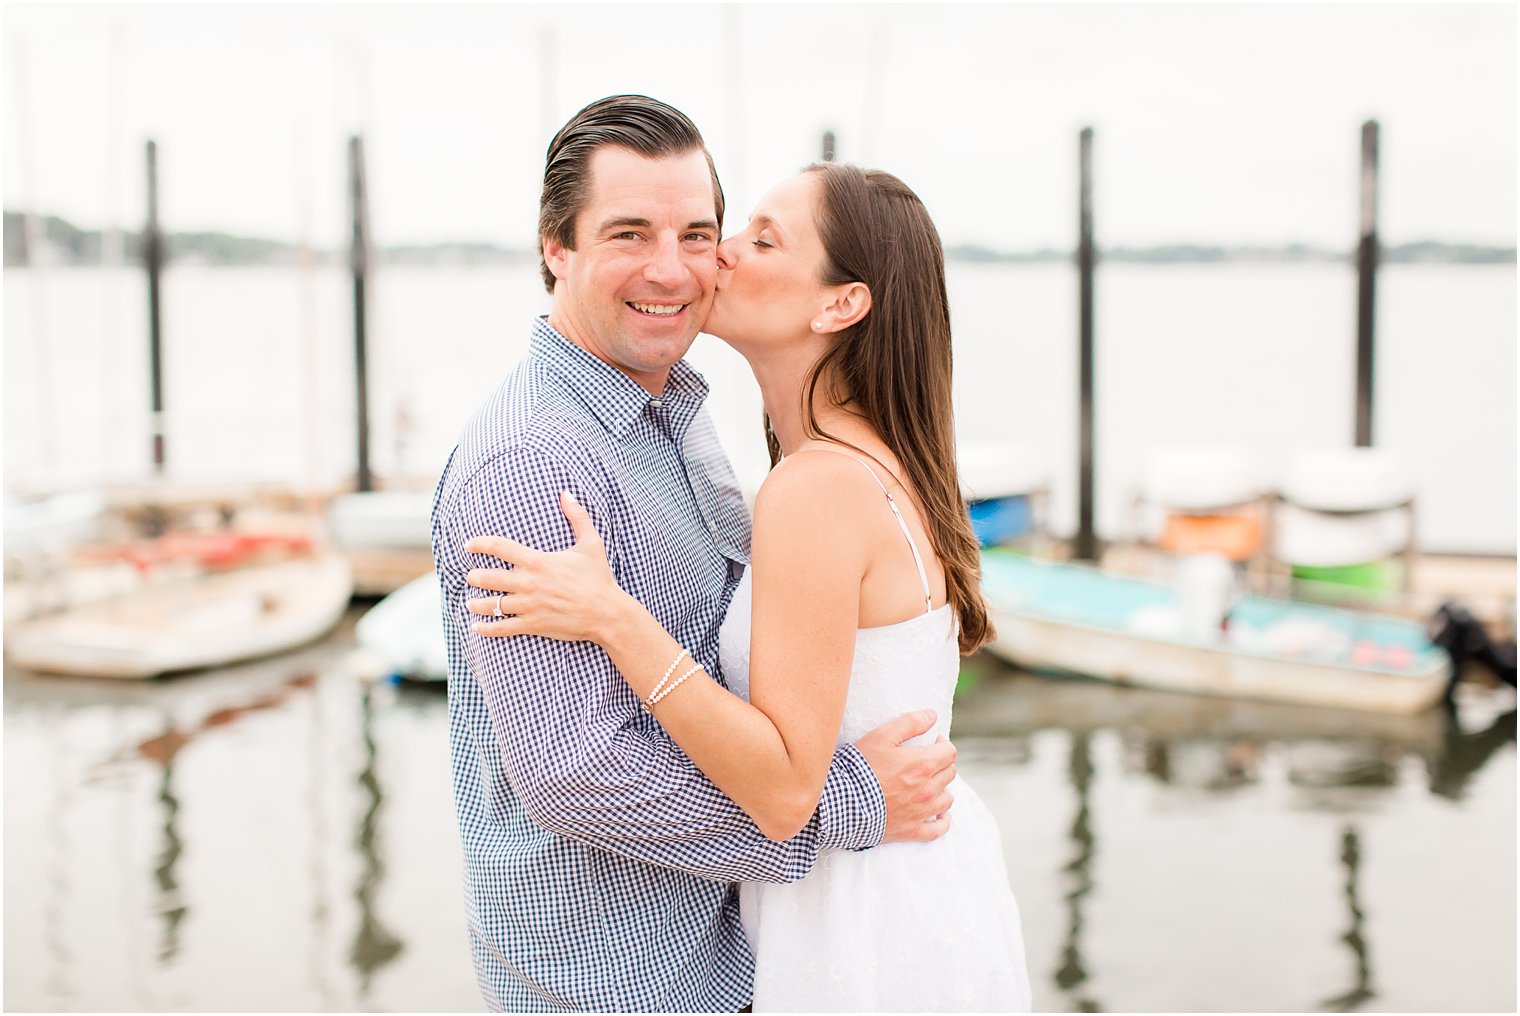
{"x": 189, "y": 618}
{"x": 39, "y": 526}
{"x": 1077, "y": 619}
{"x": 401, "y": 637}
{"x": 386, "y": 536}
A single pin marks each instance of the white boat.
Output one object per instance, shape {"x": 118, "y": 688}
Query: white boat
{"x": 389, "y": 519}
{"x": 1006, "y": 485}
{"x": 1081, "y": 620}
{"x": 40, "y": 526}
{"x": 402, "y": 635}
{"x": 1344, "y": 523}
{"x": 386, "y": 535}
{"x": 203, "y": 620}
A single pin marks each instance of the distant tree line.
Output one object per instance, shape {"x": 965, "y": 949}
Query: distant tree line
{"x": 1421, "y": 252}
{"x": 68, "y": 244}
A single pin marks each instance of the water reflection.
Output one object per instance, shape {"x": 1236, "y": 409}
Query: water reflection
{"x": 1215, "y": 766}
{"x": 317, "y": 820}
{"x": 1325, "y": 765}
{"x": 171, "y": 905}
{"x": 374, "y": 944}
{"x": 1463, "y": 755}
{"x": 1071, "y": 973}
{"x": 162, "y": 750}
{"x": 1336, "y": 763}
{"x": 60, "y": 795}
{"x": 378, "y": 857}
{"x": 1361, "y": 992}
{"x": 1216, "y": 745}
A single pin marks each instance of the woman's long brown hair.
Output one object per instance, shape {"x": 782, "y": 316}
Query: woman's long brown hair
{"x": 893, "y": 366}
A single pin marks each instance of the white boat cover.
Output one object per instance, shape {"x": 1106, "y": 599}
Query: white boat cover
{"x": 1347, "y": 479}
{"x": 1000, "y": 469}
{"x": 1331, "y": 541}
{"x": 1199, "y": 478}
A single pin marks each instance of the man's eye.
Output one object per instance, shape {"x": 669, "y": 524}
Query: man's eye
{"x": 625, "y": 236}
{"x": 699, "y": 237}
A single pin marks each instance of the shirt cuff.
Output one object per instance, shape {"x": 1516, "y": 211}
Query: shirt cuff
{"x": 852, "y": 813}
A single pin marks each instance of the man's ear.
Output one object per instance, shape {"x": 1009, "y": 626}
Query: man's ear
{"x": 556, "y": 256}
{"x": 850, "y": 303}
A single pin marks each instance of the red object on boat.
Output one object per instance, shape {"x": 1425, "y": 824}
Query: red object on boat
{"x": 215, "y": 551}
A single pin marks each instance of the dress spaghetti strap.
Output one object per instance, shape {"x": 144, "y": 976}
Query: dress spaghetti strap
{"x": 918, "y": 561}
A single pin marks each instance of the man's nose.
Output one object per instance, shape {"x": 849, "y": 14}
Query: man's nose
{"x": 665, "y": 266}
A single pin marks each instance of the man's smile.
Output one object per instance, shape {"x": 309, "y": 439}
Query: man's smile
{"x": 657, "y": 309}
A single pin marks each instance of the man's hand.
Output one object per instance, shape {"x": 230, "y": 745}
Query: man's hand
{"x": 914, "y": 779}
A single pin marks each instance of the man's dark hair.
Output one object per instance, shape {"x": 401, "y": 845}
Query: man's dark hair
{"x": 636, "y": 122}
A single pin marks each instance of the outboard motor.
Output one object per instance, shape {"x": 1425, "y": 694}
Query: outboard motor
{"x": 1453, "y": 628}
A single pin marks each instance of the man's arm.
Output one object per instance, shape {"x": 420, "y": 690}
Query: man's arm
{"x": 580, "y": 753}
{"x": 770, "y": 754}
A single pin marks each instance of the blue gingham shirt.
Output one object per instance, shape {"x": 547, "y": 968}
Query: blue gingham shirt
{"x": 598, "y": 860}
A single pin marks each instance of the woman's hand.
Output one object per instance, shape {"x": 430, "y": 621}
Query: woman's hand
{"x": 570, "y": 596}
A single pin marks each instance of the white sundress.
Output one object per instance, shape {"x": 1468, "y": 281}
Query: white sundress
{"x": 902, "y": 927}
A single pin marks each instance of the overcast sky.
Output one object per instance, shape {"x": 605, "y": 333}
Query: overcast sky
{"x": 1219, "y": 124}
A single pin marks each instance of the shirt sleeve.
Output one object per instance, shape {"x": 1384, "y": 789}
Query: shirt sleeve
{"x": 580, "y": 752}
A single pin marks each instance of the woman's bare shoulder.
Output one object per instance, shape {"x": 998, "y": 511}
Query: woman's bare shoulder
{"x": 809, "y": 518}
{"x": 815, "y": 472}
{"x": 824, "y": 492}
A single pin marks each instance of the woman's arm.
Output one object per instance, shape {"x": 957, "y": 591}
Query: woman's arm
{"x": 771, "y": 755}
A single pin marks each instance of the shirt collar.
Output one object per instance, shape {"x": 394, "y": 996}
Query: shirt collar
{"x": 614, "y": 398}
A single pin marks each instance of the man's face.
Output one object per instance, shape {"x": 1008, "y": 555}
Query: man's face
{"x": 639, "y": 284}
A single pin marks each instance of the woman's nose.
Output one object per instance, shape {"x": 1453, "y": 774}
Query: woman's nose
{"x": 726, "y": 258}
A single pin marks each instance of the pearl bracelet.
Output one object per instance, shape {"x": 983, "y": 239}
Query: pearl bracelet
{"x": 653, "y": 699}
{"x": 665, "y": 677}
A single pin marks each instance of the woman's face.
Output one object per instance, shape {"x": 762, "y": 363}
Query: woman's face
{"x": 769, "y": 287}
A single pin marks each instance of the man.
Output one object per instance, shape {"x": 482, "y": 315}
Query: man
{"x": 599, "y": 861}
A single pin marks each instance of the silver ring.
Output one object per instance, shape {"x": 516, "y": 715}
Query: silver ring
{"x": 497, "y": 612}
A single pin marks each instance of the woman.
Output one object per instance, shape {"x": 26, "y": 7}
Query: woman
{"x": 862, "y": 594}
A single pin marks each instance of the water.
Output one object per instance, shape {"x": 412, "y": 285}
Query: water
{"x": 259, "y": 369}
{"x": 279, "y": 837}
{"x": 276, "y": 836}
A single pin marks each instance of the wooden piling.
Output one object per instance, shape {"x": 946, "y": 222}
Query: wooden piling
{"x": 828, "y": 146}
{"x": 1085, "y": 546}
{"x": 358, "y": 257}
{"x": 153, "y": 259}
{"x": 1366, "y": 278}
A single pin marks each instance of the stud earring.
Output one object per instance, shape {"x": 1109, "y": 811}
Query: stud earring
{"x": 817, "y": 326}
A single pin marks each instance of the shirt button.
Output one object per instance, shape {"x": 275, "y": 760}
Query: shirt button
{"x": 657, "y": 403}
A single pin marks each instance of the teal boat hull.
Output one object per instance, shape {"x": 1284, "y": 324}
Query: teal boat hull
{"x": 1081, "y": 620}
